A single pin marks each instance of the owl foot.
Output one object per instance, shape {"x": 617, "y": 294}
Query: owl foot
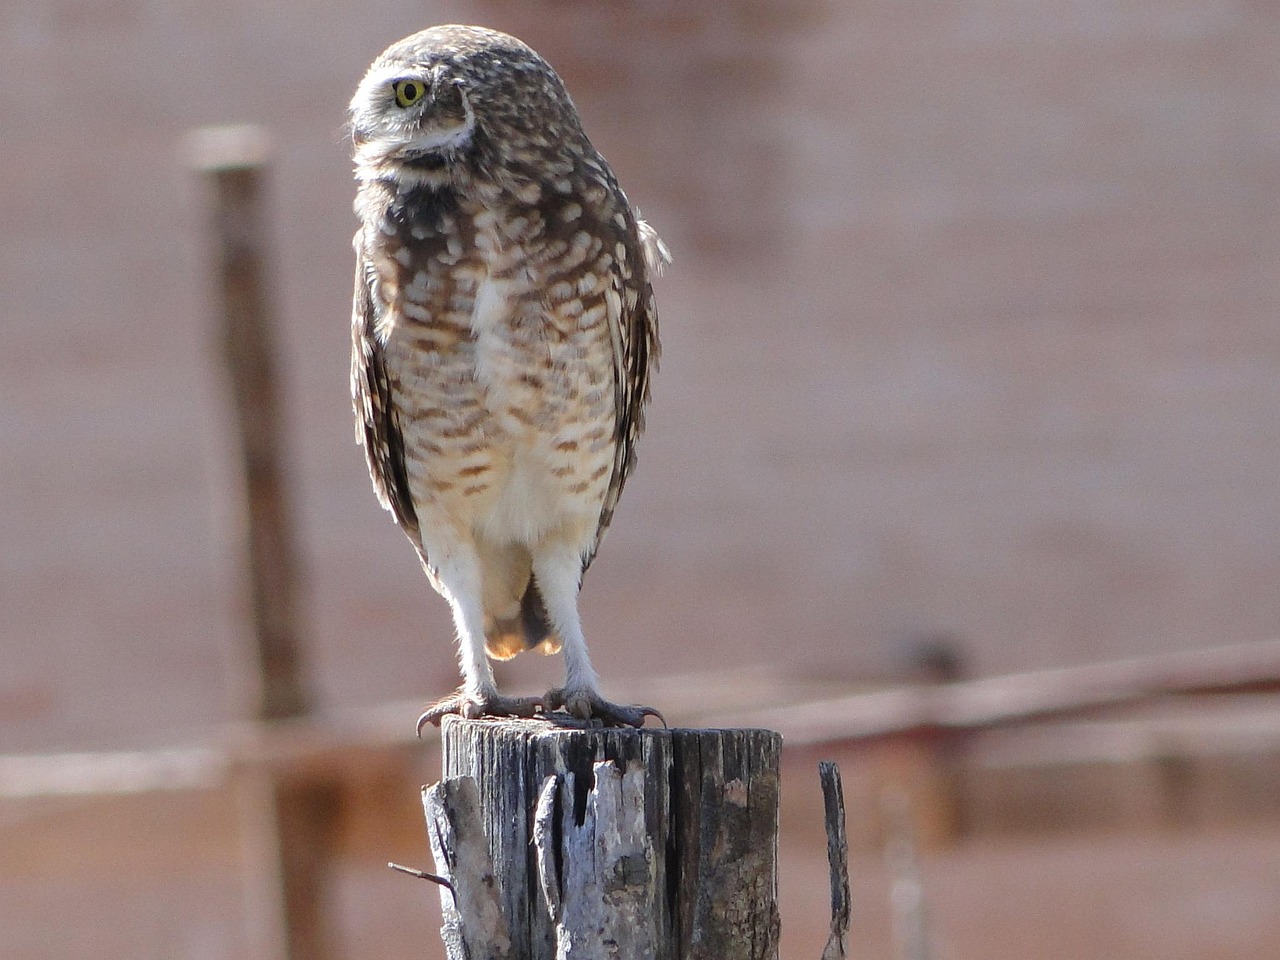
{"x": 590, "y": 709}
{"x": 473, "y": 707}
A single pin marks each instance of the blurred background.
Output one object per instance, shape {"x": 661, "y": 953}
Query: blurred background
{"x": 970, "y": 359}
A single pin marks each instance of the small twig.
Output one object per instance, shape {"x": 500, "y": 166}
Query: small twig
{"x": 837, "y": 947}
{"x": 423, "y": 875}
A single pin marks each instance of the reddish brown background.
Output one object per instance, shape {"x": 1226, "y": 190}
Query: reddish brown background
{"x": 971, "y": 330}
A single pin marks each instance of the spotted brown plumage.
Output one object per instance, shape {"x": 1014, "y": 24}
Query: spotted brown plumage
{"x": 504, "y": 333}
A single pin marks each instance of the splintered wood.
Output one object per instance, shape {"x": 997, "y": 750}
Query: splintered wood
{"x": 462, "y": 857}
{"x": 606, "y": 844}
{"x": 604, "y": 890}
{"x": 837, "y": 860}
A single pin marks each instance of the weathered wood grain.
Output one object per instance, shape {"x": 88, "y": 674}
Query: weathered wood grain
{"x": 598, "y": 876}
{"x": 837, "y": 947}
{"x": 724, "y": 804}
{"x": 474, "y": 925}
{"x": 620, "y": 844}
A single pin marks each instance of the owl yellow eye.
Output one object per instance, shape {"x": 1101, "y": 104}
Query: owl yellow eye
{"x": 409, "y": 92}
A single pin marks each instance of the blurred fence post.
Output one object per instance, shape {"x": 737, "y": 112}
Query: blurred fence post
{"x": 287, "y": 822}
{"x": 233, "y": 161}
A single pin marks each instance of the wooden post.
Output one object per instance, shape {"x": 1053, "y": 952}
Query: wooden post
{"x": 288, "y": 822}
{"x": 593, "y": 844}
{"x": 233, "y": 161}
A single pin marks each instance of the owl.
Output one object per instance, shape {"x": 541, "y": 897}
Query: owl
{"x": 504, "y": 335}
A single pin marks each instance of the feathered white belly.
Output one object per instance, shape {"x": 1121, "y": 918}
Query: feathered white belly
{"x": 525, "y": 504}
{"x": 511, "y": 436}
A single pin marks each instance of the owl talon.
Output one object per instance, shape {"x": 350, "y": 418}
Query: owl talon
{"x": 590, "y": 709}
{"x": 476, "y": 707}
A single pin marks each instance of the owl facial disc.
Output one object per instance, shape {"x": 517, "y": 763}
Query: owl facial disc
{"x": 410, "y": 114}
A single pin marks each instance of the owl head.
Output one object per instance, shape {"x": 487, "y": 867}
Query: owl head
{"x": 443, "y": 93}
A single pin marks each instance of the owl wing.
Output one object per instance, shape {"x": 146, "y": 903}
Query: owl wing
{"x": 377, "y": 419}
{"x": 633, "y": 328}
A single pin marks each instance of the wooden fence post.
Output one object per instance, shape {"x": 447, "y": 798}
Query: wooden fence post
{"x": 233, "y": 161}
{"x": 594, "y": 844}
{"x": 288, "y": 821}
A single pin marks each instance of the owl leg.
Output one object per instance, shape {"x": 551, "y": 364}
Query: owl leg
{"x": 558, "y": 571}
{"x": 459, "y": 577}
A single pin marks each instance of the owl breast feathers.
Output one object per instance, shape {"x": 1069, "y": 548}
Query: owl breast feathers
{"x": 504, "y": 333}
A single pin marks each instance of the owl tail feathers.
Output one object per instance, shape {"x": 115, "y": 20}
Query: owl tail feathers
{"x": 505, "y": 637}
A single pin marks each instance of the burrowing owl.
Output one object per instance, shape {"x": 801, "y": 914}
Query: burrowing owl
{"x": 504, "y": 333}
